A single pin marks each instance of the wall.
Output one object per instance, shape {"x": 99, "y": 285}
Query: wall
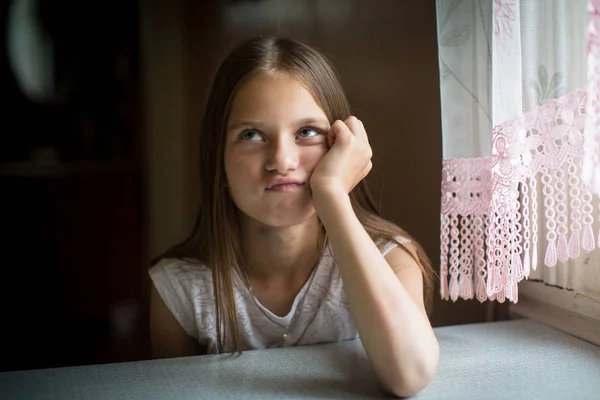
{"x": 163, "y": 64}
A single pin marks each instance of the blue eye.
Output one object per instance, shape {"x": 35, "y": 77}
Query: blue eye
{"x": 249, "y": 134}
{"x": 307, "y": 130}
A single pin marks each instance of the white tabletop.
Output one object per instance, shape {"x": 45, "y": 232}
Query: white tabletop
{"x": 518, "y": 359}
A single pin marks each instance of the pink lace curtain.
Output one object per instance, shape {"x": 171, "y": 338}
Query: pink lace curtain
{"x": 519, "y": 85}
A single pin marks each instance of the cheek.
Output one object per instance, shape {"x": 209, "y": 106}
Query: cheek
{"x": 233, "y": 161}
{"x": 239, "y": 168}
{"x": 313, "y": 155}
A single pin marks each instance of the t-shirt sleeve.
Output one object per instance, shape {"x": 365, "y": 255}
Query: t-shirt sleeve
{"x": 167, "y": 277}
{"x": 390, "y": 245}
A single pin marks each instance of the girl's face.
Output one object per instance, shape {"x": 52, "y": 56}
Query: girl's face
{"x": 276, "y": 132}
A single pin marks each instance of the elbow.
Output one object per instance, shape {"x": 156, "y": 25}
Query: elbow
{"x": 413, "y": 380}
{"x": 407, "y": 388}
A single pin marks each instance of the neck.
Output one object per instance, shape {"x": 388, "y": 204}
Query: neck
{"x": 284, "y": 254}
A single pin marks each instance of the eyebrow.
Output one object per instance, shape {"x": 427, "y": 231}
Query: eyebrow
{"x": 300, "y": 122}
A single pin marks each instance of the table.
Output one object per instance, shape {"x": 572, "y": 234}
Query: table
{"x": 516, "y": 359}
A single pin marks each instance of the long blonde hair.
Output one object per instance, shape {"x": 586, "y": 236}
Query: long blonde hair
{"x": 215, "y": 236}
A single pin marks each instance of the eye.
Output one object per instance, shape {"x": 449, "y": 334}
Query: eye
{"x": 250, "y": 135}
{"x": 308, "y": 131}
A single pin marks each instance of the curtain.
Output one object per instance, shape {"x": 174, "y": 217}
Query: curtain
{"x": 591, "y": 163}
{"x": 519, "y": 85}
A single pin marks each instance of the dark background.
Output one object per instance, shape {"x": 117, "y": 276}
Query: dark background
{"x": 100, "y": 177}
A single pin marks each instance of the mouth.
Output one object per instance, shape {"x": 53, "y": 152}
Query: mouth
{"x": 286, "y": 187}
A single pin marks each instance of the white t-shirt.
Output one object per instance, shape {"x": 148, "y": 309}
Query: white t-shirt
{"x": 321, "y": 307}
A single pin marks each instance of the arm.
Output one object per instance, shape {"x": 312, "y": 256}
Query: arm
{"x": 386, "y": 299}
{"x": 167, "y": 337}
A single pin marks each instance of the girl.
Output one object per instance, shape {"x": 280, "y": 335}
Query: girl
{"x": 288, "y": 248}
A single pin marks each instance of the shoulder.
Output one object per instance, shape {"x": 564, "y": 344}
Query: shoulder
{"x": 178, "y": 263}
{"x": 175, "y": 267}
{"x": 403, "y": 260}
{"x": 177, "y": 278}
{"x": 401, "y": 254}
{"x": 182, "y": 285}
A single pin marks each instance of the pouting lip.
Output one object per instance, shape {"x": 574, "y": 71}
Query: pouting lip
{"x": 283, "y": 181}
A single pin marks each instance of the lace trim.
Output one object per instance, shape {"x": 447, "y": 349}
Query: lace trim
{"x": 466, "y": 202}
{"x": 489, "y": 222}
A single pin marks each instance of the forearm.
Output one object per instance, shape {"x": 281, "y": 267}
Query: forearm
{"x": 395, "y": 332}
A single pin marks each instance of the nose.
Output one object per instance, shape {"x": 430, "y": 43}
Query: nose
{"x": 283, "y": 155}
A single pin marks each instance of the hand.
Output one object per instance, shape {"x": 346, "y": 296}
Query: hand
{"x": 348, "y": 160}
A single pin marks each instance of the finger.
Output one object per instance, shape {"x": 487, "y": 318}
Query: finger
{"x": 357, "y": 128}
{"x": 330, "y": 137}
{"x": 339, "y": 132}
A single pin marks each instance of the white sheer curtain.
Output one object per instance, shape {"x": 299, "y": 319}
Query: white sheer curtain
{"x": 518, "y": 83}
{"x": 591, "y": 161}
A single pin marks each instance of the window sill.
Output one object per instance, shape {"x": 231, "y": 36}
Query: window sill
{"x": 574, "y": 313}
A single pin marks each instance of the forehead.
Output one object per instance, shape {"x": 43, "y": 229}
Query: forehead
{"x": 273, "y": 97}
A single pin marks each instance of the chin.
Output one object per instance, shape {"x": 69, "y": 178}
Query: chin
{"x": 287, "y": 220}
